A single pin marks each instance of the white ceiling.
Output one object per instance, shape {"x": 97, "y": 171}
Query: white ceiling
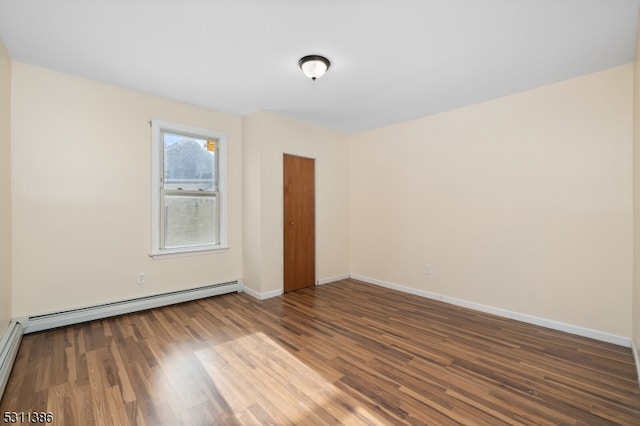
{"x": 392, "y": 60}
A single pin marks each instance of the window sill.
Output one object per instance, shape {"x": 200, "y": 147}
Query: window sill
{"x": 168, "y": 254}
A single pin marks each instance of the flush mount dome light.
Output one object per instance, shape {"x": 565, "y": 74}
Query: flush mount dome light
{"x": 314, "y": 66}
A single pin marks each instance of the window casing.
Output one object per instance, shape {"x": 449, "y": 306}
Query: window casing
{"x": 188, "y": 189}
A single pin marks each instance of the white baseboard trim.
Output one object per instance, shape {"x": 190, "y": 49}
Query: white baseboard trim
{"x": 398, "y": 287}
{"x": 75, "y": 316}
{"x": 636, "y": 358}
{"x": 275, "y": 293}
{"x": 9, "y": 344}
{"x": 555, "y": 325}
{"x": 262, "y": 296}
{"x": 333, "y": 279}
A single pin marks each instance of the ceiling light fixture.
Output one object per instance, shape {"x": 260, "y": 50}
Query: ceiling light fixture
{"x": 314, "y": 66}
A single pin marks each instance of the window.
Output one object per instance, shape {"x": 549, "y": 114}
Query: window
{"x": 189, "y": 191}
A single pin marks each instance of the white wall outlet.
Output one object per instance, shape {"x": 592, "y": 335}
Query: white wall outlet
{"x": 141, "y": 278}
{"x": 427, "y": 269}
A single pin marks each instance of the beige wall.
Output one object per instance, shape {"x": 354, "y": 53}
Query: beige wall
{"x": 5, "y": 188}
{"x": 266, "y": 137}
{"x": 81, "y": 168}
{"x": 523, "y": 203}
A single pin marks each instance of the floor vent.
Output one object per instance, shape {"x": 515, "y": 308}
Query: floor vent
{"x": 9, "y": 345}
{"x": 75, "y": 316}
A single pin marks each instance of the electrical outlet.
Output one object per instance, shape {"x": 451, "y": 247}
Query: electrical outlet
{"x": 427, "y": 269}
{"x": 141, "y": 279}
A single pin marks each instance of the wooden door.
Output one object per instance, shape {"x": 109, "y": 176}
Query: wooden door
{"x": 299, "y": 222}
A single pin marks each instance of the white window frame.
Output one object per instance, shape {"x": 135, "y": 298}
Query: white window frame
{"x": 157, "y": 170}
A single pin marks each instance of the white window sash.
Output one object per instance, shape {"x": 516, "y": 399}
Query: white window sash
{"x": 158, "y": 192}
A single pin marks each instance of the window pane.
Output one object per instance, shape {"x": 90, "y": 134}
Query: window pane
{"x": 190, "y": 220}
{"x": 189, "y": 163}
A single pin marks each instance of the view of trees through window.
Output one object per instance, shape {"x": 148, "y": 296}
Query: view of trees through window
{"x": 190, "y": 205}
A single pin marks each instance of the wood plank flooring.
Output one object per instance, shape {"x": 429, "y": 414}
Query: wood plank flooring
{"x": 341, "y": 353}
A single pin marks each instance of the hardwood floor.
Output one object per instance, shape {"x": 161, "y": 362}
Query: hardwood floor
{"x": 341, "y": 353}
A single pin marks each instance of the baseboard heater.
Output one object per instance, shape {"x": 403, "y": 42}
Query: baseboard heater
{"x": 75, "y": 316}
{"x": 9, "y": 344}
